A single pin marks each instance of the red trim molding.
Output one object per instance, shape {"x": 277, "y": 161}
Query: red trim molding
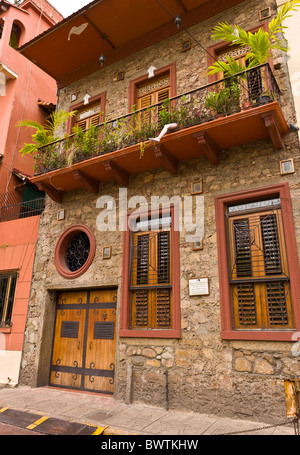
{"x": 125, "y": 330}
{"x": 221, "y": 202}
{"x": 171, "y": 69}
{"x": 60, "y": 251}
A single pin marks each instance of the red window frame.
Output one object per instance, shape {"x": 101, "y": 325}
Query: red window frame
{"x": 221, "y": 203}
{"x": 101, "y": 99}
{"x": 125, "y": 330}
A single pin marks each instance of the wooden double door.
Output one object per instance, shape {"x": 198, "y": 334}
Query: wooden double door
{"x": 83, "y": 355}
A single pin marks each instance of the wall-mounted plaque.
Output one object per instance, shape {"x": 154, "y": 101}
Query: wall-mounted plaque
{"x": 199, "y": 287}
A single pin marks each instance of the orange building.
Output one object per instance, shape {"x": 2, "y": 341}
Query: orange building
{"x": 26, "y": 92}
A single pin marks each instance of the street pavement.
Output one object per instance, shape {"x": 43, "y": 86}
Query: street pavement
{"x": 58, "y": 411}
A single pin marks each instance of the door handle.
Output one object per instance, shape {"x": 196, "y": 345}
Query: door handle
{"x": 78, "y": 345}
{"x": 90, "y": 345}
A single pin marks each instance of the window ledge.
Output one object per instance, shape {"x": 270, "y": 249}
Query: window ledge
{"x": 5, "y": 329}
{"x": 128, "y": 333}
{"x": 260, "y": 335}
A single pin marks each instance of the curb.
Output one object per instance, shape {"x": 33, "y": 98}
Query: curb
{"x": 47, "y": 425}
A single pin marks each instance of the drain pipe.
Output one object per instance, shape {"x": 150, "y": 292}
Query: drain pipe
{"x": 129, "y": 384}
{"x": 167, "y": 389}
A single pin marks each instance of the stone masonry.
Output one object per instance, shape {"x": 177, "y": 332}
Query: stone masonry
{"x": 205, "y": 373}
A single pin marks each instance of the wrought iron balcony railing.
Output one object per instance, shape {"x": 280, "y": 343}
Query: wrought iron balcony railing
{"x": 228, "y": 96}
{"x": 12, "y": 209}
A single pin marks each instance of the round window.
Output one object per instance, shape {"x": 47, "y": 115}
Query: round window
{"x": 75, "y": 251}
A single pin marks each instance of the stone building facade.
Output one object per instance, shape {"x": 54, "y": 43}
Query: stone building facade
{"x": 201, "y": 369}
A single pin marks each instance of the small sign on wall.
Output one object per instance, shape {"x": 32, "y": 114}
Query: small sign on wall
{"x": 199, "y": 287}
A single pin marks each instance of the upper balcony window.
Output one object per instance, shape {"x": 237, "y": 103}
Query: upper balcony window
{"x": 154, "y": 91}
{"x": 88, "y": 116}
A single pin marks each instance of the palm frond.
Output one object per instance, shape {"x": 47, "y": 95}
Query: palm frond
{"x": 31, "y": 124}
{"x": 275, "y": 26}
{"x": 29, "y": 149}
{"x": 229, "y": 68}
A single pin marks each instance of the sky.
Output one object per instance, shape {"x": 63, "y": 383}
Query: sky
{"x": 67, "y": 7}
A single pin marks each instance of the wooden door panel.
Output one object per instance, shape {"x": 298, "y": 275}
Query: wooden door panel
{"x": 101, "y": 340}
{"x": 84, "y": 341}
{"x": 99, "y": 383}
{"x": 68, "y": 349}
{"x": 70, "y": 380}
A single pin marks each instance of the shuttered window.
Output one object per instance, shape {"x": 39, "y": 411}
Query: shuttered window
{"x": 151, "y": 279}
{"x": 256, "y": 80}
{"x": 155, "y": 90}
{"x": 7, "y": 294}
{"x": 88, "y": 116}
{"x": 258, "y": 269}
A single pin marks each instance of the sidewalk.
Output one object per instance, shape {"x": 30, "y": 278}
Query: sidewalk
{"x": 118, "y": 418}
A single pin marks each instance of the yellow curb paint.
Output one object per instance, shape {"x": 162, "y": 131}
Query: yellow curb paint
{"x": 3, "y": 410}
{"x": 99, "y": 430}
{"x": 37, "y": 423}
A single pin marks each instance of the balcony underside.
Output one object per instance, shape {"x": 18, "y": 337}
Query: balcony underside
{"x": 207, "y": 139}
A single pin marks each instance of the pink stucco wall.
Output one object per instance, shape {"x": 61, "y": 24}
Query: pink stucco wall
{"x": 17, "y": 251}
{"x": 22, "y": 93}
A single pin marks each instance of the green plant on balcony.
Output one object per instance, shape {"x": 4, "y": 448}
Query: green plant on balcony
{"x": 224, "y": 101}
{"x": 45, "y": 136}
{"x": 82, "y": 144}
{"x": 260, "y": 44}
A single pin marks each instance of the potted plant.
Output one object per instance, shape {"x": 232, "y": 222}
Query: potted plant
{"x": 224, "y": 101}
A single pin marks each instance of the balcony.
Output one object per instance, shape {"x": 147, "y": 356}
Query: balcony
{"x": 224, "y": 114}
{"x": 15, "y": 206}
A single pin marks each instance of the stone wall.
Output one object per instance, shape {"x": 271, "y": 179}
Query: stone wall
{"x": 205, "y": 373}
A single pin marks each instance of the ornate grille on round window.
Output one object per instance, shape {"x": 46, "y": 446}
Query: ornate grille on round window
{"x": 75, "y": 251}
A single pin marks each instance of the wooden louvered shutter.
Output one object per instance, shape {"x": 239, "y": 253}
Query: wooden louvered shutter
{"x": 94, "y": 120}
{"x": 82, "y": 124}
{"x": 88, "y": 116}
{"x": 151, "y": 280}
{"x": 163, "y": 95}
{"x": 259, "y": 275}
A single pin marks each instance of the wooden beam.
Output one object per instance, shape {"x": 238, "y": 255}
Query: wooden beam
{"x": 99, "y": 31}
{"x": 169, "y": 161}
{"x": 55, "y": 194}
{"x": 89, "y": 182}
{"x": 118, "y": 173}
{"x": 273, "y": 130}
{"x": 211, "y": 149}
